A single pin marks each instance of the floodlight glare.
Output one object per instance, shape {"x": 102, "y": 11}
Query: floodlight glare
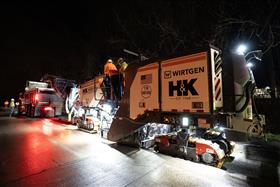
{"x": 249, "y": 64}
{"x": 241, "y": 49}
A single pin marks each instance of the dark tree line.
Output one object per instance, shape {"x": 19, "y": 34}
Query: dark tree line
{"x": 160, "y": 28}
{"x": 75, "y": 39}
{"x": 165, "y": 27}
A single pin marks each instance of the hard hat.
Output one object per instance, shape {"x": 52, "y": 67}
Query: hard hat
{"x": 120, "y": 60}
{"x": 109, "y": 61}
{"x": 12, "y": 99}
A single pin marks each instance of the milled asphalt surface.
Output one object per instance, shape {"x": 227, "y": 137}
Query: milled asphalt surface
{"x": 44, "y": 152}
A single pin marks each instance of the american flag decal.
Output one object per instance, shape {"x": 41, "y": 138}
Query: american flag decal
{"x": 146, "y": 79}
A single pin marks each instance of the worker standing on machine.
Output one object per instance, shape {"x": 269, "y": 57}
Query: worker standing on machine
{"x": 122, "y": 65}
{"x": 112, "y": 76}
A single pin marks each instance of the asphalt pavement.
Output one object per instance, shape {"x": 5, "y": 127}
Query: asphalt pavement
{"x": 46, "y": 152}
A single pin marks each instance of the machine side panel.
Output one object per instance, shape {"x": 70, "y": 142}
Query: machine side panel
{"x": 91, "y": 92}
{"x": 144, "y": 90}
{"x": 185, "y": 84}
{"x": 122, "y": 126}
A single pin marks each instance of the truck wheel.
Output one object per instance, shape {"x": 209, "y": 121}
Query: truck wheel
{"x": 156, "y": 148}
{"x": 28, "y": 111}
{"x": 254, "y": 130}
{"x": 32, "y": 111}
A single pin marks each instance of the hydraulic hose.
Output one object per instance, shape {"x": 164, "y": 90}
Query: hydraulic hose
{"x": 248, "y": 92}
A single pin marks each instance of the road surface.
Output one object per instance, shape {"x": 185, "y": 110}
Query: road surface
{"x": 43, "y": 152}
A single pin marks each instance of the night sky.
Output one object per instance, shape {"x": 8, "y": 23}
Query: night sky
{"x": 73, "y": 40}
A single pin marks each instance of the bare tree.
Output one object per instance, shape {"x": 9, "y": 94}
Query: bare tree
{"x": 256, "y": 26}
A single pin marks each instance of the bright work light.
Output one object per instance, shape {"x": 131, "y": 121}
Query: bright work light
{"x": 241, "y": 49}
{"x": 185, "y": 122}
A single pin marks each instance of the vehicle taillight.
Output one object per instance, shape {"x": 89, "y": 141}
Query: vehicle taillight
{"x": 36, "y": 97}
{"x": 48, "y": 108}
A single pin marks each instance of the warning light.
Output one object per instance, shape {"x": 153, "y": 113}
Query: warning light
{"x": 36, "y": 97}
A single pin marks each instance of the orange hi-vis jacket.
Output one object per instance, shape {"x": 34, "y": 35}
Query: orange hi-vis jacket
{"x": 110, "y": 69}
